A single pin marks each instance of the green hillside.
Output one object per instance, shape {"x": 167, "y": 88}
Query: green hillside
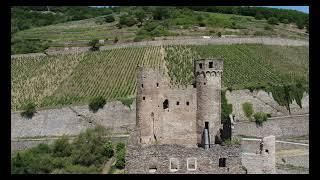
{"x": 74, "y": 79}
{"x": 147, "y": 23}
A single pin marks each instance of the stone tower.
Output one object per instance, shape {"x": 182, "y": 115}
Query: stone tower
{"x": 149, "y": 87}
{"x": 208, "y": 74}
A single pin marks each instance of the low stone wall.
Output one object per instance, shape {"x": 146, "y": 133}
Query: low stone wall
{"x": 73, "y": 120}
{"x": 279, "y": 127}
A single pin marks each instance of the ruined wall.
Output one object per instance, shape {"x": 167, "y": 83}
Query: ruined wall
{"x": 156, "y": 159}
{"x": 280, "y": 127}
{"x": 263, "y": 161}
{"x": 73, "y": 120}
{"x": 263, "y": 101}
{"x": 165, "y": 114}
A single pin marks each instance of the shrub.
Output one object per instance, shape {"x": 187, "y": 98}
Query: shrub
{"x": 127, "y": 101}
{"x": 120, "y": 157}
{"x": 260, "y": 117}
{"x": 116, "y": 39}
{"x": 273, "y": 21}
{"x": 96, "y": 103}
{"x": 89, "y": 147}
{"x": 258, "y": 16}
{"x": 219, "y": 34}
{"x": 94, "y": 45}
{"x": 61, "y": 147}
{"x": 28, "y": 110}
{"x": 127, "y": 21}
{"x": 300, "y": 24}
{"x": 247, "y": 109}
{"x": 202, "y": 24}
{"x": 285, "y": 21}
{"x": 109, "y": 19}
{"x": 268, "y": 28}
{"x": 108, "y": 149}
{"x": 120, "y": 146}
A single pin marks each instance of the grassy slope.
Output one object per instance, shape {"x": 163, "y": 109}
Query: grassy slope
{"x": 78, "y": 33}
{"x": 74, "y": 79}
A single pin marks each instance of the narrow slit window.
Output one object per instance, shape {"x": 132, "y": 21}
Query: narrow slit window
{"x": 166, "y": 104}
{"x": 187, "y": 103}
{"x": 144, "y": 98}
{"x": 200, "y": 65}
{"x": 210, "y": 64}
{"x": 142, "y": 85}
{"x": 178, "y": 103}
{"x": 157, "y": 84}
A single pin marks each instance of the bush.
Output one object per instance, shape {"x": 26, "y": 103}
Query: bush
{"x": 121, "y": 154}
{"x": 202, "y": 24}
{"x": 268, "y": 28}
{"x": 260, "y": 117}
{"x": 89, "y": 147}
{"x": 61, "y": 147}
{"x": 219, "y": 34}
{"x": 28, "y": 110}
{"x": 109, "y": 19}
{"x": 116, "y": 39}
{"x": 94, "y": 45}
{"x": 108, "y": 149}
{"x": 273, "y": 21}
{"x": 300, "y": 24}
{"x": 127, "y": 101}
{"x": 285, "y": 21}
{"x": 247, "y": 109}
{"x": 127, "y": 21}
{"x": 258, "y": 16}
{"x": 96, "y": 103}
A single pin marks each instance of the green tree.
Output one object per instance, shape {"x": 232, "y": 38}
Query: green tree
{"x": 94, "y": 45}
{"x": 140, "y": 15}
{"x": 273, "y": 21}
{"x": 108, "y": 149}
{"x": 109, "y": 19}
{"x": 28, "y": 110}
{"x": 97, "y": 103}
{"x": 260, "y": 117}
{"x": 62, "y": 147}
{"x": 160, "y": 13}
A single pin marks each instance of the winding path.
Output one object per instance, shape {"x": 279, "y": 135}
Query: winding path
{"x": 187, "y": 41}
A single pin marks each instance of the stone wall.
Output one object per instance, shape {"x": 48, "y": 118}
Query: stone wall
{"x": 73, "y": 120}
{"x": 164, "y": 158}
{"x": 263, "y": 101}
{"x": 280, "y": 127}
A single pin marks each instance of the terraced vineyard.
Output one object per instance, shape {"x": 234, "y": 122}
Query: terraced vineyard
{"x": 74, "y": 79}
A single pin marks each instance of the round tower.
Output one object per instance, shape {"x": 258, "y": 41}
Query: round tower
{"x": 149, "y": 83}
{"x": 208, "y": 74}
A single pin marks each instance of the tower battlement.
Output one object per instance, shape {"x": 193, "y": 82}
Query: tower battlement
{"x": 210, "y": 64}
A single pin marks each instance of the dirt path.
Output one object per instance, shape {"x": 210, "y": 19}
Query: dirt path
{"x": 189, "y": 41}
{"x": 108, "y": 165}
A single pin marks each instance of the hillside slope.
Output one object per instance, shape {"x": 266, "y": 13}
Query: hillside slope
{"x": 74, "y": 79}
{"x": 126, "y": 28}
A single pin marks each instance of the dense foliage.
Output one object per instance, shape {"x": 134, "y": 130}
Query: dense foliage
{"x": 97, "y": 103}
{"x": 28, "y": 110}
{"x": 260, "y": 117}
{"x": 94, "y": 45}
{"x": 25, "y": 17}
{"x": 86, "y": 154}
{"x": 120, "y": 155}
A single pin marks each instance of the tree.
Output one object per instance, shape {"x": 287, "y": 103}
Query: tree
{"x": 273, "y": 21}
{"x": 140, "y": 15}
{"x": 128, "y": 21}
{"x": 94, "y": 45}
{"x": 219, "y": 34}
{"x": 160, "y": 13}
{"x": 29, "y": 110}
{"x": 108, "y": 149}
{"x": 109, "y": 19}
{"x": 96, "y": 103}
{"x": 300, "y": 24}
{"x": 258, "y": 16}
{"x": 61, "y": 147}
